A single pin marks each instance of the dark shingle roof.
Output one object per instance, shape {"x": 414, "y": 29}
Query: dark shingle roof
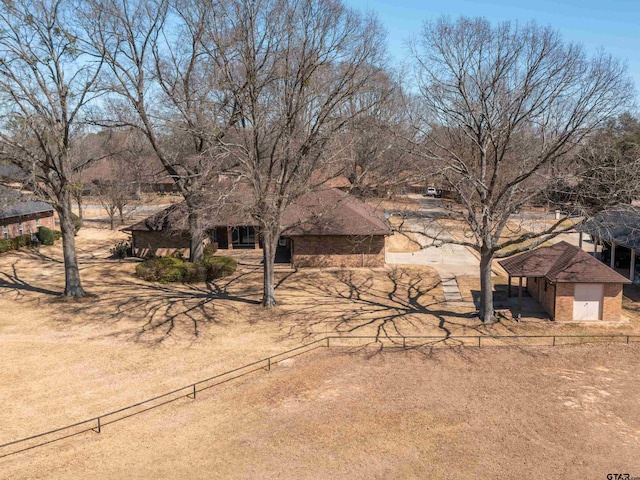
{"x": 619, "y": 224}
{"x": 561, "y": 263}
{"x": 15, "y": 204}
{"x": 324, "y": 212}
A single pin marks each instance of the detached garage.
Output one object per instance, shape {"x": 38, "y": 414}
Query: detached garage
{"x": 570, "y": 284}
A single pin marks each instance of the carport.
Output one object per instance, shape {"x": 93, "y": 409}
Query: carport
{"x": 569, "y": 283}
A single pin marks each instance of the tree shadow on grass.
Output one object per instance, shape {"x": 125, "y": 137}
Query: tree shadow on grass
{"x": 13, "y": 283}
{"x": 398, "y": 303}
{"x": 161, "y": 311}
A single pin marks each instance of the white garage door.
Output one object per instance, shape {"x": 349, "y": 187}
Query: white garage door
{"x": 587, "y": 301}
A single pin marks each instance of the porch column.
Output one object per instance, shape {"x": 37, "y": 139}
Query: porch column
{"x": 612, "y": 262}
{"x": 509, "y": 288}
{"x": 632, "y": 267}
{"x": 580, "y": 240}
{"x": 256, "y": 234}
{"x": 229, "y": 239}
{"x": 595, "y": 246}
{"x": 519, "y": 292}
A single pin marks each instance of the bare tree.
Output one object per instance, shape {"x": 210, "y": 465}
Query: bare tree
{"x": 291, "y": 68}
{"x": 502, "y": 107}
{"x": 610, "y": 165}
{"x": 164, "y": 86}
{"x": 46, "y": 85}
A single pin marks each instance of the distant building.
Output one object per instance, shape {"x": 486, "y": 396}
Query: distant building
{"x": 20, "y": 215}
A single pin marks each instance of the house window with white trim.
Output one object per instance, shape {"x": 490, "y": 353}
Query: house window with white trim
{"x": 37, "y": 222}
{"x": 19, "y": 228}
{"x": 5, "y": 231}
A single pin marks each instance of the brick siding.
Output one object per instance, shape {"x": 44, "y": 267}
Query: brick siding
{"x": 158, "y": 243}
{"x": 612, "y": 304}
{"x": 28, "y": 224}
{"x": 338, "y": 251}
{"x": 564, "y": 299}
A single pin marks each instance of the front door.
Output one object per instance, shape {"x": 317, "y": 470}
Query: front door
{"x": 587, "y": 301}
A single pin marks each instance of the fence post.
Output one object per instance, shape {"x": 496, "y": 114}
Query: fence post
{"x": 627, "y": 338}
{"x": 194, "y": 391}
{"x": 404, "y": 343}
{"x": 99, "y": 426}
{"x": 328, "y": 341}
{"x": 269, "y": 364}
{"x": 479, "y": 337}
{"x": 554, "y": 341}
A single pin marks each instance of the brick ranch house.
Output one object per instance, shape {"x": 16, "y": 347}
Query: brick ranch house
{"x": 569, "y": 283}
{"x": 327, "y": 228}
{"x": 20, "y": 215}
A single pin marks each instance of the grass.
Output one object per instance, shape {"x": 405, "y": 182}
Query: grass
{"x": 488, "y": 413}
{"x": 67, "y": 361}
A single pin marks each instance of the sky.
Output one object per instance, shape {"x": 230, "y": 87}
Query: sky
{"x": 613, "y": 25}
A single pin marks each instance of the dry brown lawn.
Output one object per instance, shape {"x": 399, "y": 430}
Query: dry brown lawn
{"x": 65, "y": 361}
{"x": 563, "y": 412}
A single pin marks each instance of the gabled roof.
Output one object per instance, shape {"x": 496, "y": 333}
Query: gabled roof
{"x": 15, "y": 204}
{"x": 561, "y": 263}
{"x": 324, "y": 212}
{"x": 619, "y": 224}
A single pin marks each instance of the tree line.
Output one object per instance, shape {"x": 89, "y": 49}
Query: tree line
{"x": 281, "y": 95}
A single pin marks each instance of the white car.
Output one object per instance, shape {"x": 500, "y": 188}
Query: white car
{"x": 432, "y": 192}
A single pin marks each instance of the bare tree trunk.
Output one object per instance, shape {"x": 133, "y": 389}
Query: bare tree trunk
{"x": 121, "y": 213}
{"x": 73, "y": 285}
{"x": 196, "y": 234}
{"x": 270, "y": 244}
{"x": 112, "y": 221}
{"x": 486, "y": 288}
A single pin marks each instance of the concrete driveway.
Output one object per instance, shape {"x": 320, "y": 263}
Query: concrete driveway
{"x": 449, "y": 260}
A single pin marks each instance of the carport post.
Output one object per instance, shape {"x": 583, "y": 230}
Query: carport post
{"x": 632, "y": 267}
{"x": 595, "y": 246}
{"x": 509, "y": 288}
{"x": 519, "y": 292}
{"x": 612, "y": 263}
{"x": 580, "y": 239}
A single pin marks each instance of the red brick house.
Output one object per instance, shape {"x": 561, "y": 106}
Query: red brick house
{"x": 327, "y": 228}
{"x": 569, "y": 283}
{"x": 21, "y": 216}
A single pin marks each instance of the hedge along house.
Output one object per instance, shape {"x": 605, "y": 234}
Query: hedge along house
{"x": 618, "y": 231}
{"x": 326, "y": 228}
{"x": 20, "y": 215}
{"x": 569, "y": 283}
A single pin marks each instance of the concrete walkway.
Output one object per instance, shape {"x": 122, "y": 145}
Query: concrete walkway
{"x": 449, "y": 260}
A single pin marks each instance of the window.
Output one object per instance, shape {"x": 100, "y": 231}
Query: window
{"x": 19, "y": 228}
{"x": 37, "y": 222}
{"x": 5, "y": 231}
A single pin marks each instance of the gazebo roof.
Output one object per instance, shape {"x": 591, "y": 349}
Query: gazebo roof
{"x": 619, "y": 224}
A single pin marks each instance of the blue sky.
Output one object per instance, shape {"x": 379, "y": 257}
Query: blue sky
{"x": 610, "y": 24}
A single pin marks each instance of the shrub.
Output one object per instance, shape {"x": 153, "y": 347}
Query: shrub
{"x": 57, "y": 234}
{"x": 218, "y": 267}
{"x": 209, "y": 250}
{"x": 46, "y": 236}
{"x": 171, "y": 269}
{"x": 15, "y": 243}
{"x": 121, "y": 249}
{"x": 77, "y": 223}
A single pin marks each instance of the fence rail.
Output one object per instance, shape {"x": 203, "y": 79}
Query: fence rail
{"x": 191, "y": 390}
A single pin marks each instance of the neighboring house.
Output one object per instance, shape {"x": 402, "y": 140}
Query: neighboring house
{"x": 618, "y": 230}
{"x": 569, "y": 283}
{"x": 327, "y": 228}
{"x": 20, "y": 215}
